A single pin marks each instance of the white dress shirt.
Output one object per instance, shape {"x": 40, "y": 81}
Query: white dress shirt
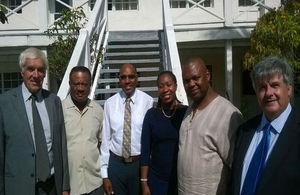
{"x": 277, "y": 126}
{"x": 113, "y": 120}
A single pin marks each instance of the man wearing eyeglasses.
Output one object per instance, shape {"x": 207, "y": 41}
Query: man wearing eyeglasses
{"x": 121, "y": 135}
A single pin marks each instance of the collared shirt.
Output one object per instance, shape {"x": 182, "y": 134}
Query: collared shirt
{"x": 83, "y": 130}
{"x": 113, "y": 121}
{"x": 277, "y": 126}
{"x": 40, "y": 104}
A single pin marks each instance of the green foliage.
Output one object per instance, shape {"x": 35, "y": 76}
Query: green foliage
{"x": 3, "y": 18}
{"x": 277, "y": 33}
{"x": 65, "y": 32}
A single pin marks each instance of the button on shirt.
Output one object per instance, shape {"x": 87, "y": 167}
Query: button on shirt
{"x": 83, "y": 130}
{"x": 277, "y": 126}
{"x": 112, "y": 135}
{"x": 40, "y": 104}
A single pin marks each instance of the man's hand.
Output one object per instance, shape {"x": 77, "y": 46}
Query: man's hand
{"x": 107, "y": 186}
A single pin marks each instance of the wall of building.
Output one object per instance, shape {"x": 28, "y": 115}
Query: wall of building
{"x": 147, "y": 17}
{"x": 27, "y": 20}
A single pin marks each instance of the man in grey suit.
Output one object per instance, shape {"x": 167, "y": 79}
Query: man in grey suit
{"x": 33, "y": 155}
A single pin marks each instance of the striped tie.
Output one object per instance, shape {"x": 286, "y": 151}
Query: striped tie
{"x": 126, "y": 147}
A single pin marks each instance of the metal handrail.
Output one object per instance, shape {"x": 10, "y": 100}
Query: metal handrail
{"x": 171, "y": 52}
{"x": 81, "y": 55}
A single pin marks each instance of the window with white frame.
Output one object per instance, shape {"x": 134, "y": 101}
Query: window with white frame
{"x": 188, "y": 4}
{"x": 12, "y": 4}
{"x": 10, "y": 80}
{"x": 122, "y": 5}
{"x": 59, "y": 7}
{"x": 178, "y": 3}
{"x": 243, "y": 3}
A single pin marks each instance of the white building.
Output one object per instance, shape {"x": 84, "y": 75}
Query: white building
{"x": 216, "y": 30}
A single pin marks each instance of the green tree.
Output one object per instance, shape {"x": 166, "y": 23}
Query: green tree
{"x": 65, "y": 32}
{"x": 3, "y": 18}
{"x": 277, "y": 33}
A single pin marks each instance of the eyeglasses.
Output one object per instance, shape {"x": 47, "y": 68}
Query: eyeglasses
{"x": 131, "y": 76}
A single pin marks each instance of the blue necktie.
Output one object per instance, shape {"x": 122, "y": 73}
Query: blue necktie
{"x": 257, "y": 164}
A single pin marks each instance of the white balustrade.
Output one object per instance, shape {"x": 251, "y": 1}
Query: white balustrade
{"x": 81, "y": 56}
{"x": 171, "y": 52}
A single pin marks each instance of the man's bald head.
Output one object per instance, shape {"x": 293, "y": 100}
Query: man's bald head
{"x": 196, "y": 80}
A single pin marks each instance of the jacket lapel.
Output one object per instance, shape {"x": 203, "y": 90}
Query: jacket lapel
{"x": 282, "y": 146}
{"x": 247, "y": 133}
{"x": 49, "y": 108}
{"x": 21, "y": 111}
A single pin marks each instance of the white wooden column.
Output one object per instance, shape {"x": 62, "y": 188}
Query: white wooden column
{"x": 228, "y": 12}
{"x": 228, "y": 70}
{"x": 46, "y": 79}
{"x": 43, "y": 9}
{"x": 262, "y": 10}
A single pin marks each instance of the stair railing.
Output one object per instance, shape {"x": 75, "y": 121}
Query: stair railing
{"x": 81, "y": 56}
{"x": 170, "y": 52}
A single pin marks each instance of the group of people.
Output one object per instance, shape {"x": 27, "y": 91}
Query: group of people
{"x": 49, "y": 147}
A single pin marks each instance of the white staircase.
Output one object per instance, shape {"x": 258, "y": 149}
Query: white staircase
{"x": 140, "y": 48}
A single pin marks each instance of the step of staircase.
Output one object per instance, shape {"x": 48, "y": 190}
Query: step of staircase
{"x": 101, "y": 102}
{"x": 135, "y": 62}
{"x": 148, "y": 69}
{"x": 116, "y": 90}
{"x": 130, "y": 55}
{"x": 116, "y": 80}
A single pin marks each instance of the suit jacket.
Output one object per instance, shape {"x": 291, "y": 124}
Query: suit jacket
{"x": 17, "y": 159}
{"x": 282, "y": 171}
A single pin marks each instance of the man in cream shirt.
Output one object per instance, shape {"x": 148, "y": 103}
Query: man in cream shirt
{"x": 83, "y": 121}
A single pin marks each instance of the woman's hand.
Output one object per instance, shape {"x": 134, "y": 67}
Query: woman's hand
{"x": 145, "y": 188}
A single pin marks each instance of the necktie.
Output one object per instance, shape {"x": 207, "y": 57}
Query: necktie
{"x": 42, "y": 159}
{"x": 126, "y": 147}
{"x": 257, "y": 164}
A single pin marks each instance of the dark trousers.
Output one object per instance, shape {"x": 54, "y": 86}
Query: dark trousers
{"x": 97, "y": 191}
{"x": 46, "y": 188}
{"x": 124, "y": 176}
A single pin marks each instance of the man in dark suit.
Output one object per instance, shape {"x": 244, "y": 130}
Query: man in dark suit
{"x": 33, "y": 155}
{"x": 267, "y": 151}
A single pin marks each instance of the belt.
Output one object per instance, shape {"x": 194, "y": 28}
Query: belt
{"x": 130, "y": 159}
